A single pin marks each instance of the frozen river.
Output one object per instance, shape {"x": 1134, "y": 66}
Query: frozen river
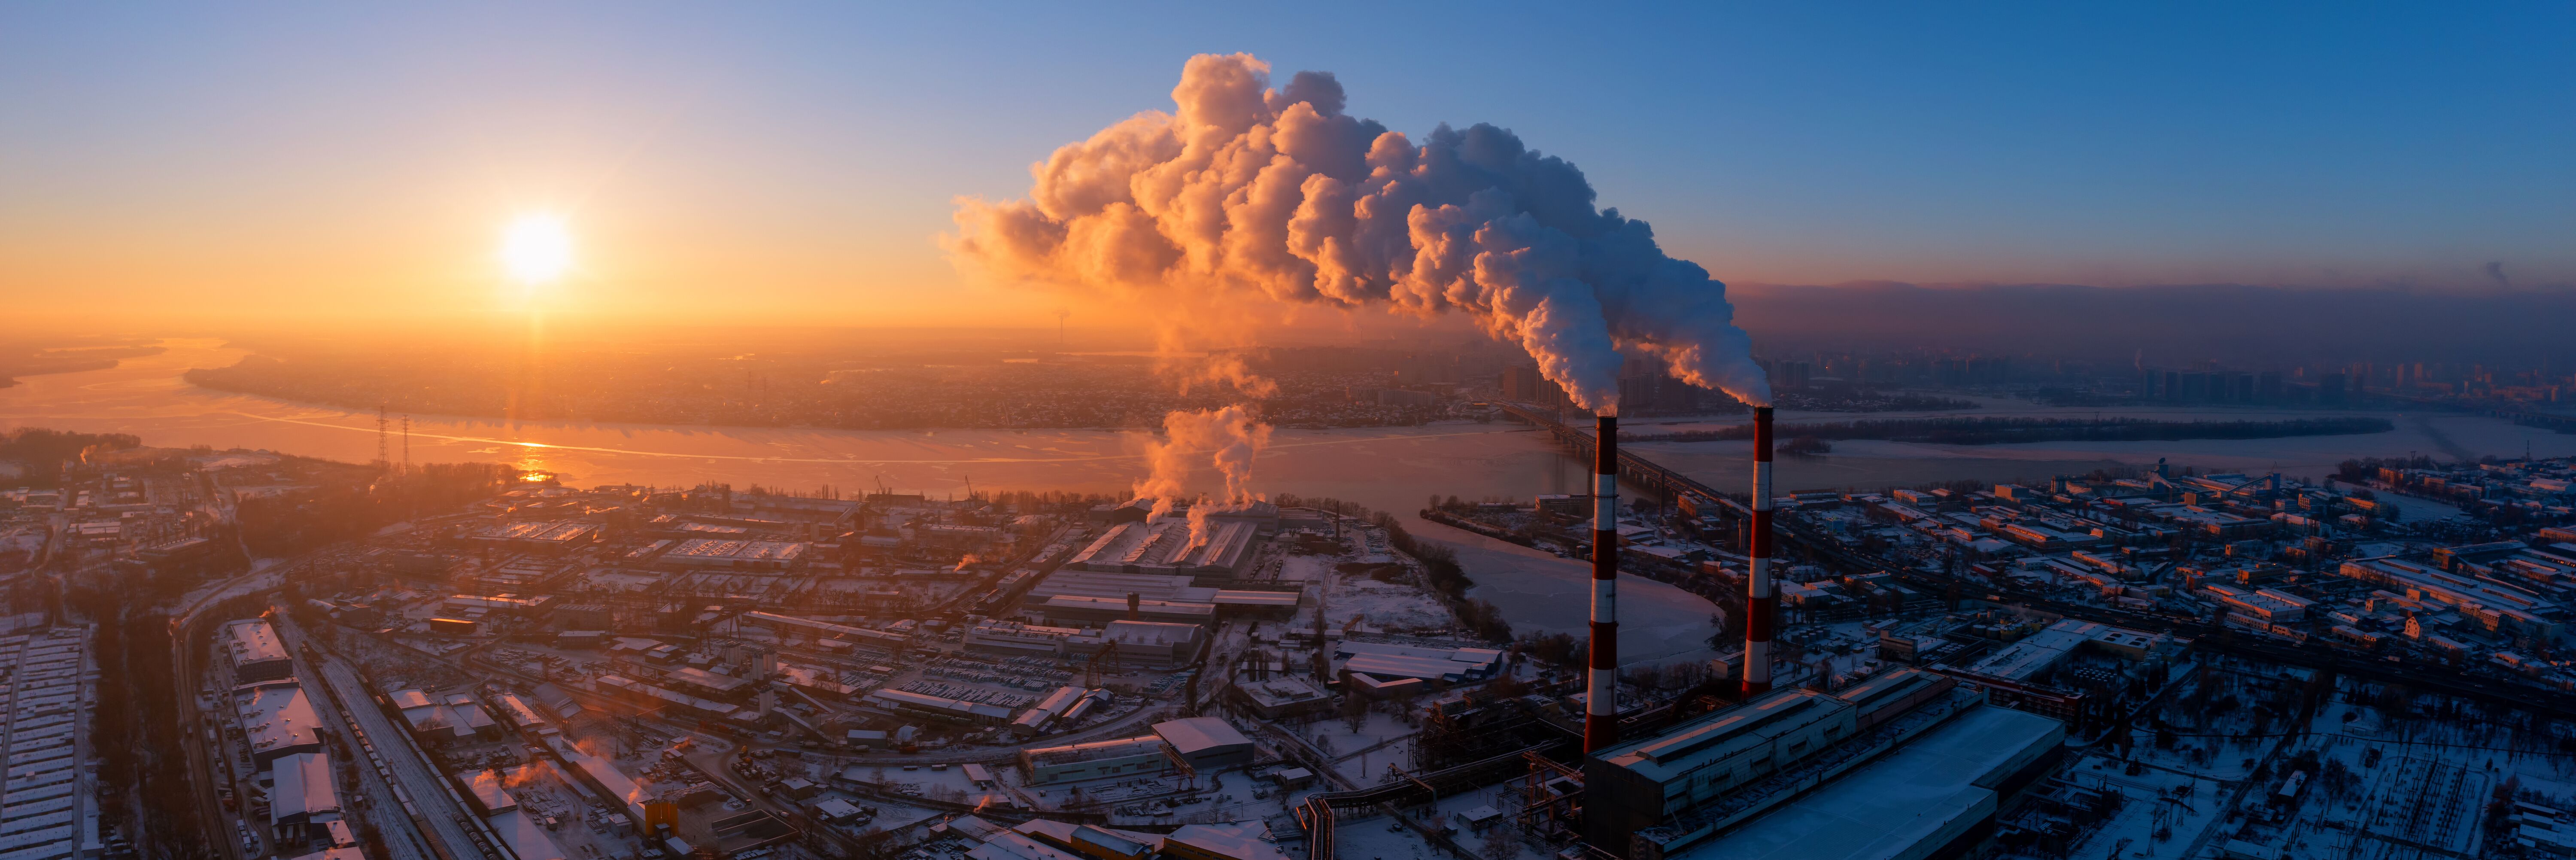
{"x": 1391, "y": 469}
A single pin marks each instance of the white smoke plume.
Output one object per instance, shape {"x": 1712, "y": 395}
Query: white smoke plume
{"x": 1229, "y": 439}
{"x": 1250, "y": 191}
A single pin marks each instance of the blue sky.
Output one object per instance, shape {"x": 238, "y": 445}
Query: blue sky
{"x": 798, "y": 152}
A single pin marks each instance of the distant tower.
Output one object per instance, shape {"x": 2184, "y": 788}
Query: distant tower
{"x": 1060, "y": 314}
{"x": 382, "y": 455}
{"x": 406, "y": 428}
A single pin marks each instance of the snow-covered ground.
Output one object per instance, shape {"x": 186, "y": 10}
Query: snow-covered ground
{"x": 1362, "y": 756}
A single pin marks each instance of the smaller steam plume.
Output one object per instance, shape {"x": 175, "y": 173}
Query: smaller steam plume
{"x": 1229, "y": 439}
{"x": 2495, "y": 272}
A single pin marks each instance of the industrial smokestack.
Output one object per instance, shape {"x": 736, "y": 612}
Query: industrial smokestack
{"x": 1761, "y": 604}
{"x": 1134, "y": 604}
{"x": 1601, "y": 689}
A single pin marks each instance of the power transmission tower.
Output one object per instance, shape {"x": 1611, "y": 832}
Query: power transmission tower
{"x": 406, "y": 428}
{"x": 382, "y": 455}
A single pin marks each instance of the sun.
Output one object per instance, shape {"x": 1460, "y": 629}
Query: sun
{"x": 536, "y": 249}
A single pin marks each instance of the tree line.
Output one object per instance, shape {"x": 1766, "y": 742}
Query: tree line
{"x": 1997, "y": 430}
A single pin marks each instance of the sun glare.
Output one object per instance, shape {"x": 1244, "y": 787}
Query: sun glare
{"x": 536, "y": 249}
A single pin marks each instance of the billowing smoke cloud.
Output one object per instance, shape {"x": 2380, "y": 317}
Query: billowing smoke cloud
{"x": 1249, "y": 191}
{"x": 2495, "y": 272}
{"x": 1229, "y": 439}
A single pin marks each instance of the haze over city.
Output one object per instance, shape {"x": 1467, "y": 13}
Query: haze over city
{"x": 1494, "y": 432}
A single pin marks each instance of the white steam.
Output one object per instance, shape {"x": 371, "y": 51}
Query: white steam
{"x": 1228, "y": 439}
{"x": 1253, "y": 191}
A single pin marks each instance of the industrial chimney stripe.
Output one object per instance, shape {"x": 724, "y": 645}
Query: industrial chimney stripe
{"x": 1761, "y": 604}
{"x": 1601, "y": 688}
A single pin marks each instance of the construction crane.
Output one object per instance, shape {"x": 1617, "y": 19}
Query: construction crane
{"x": 2161, "y": 482}
{"x": 1091, "y": 669}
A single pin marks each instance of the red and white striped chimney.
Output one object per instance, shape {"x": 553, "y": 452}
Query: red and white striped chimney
{"x": 1761, "y": 603}
{"x": 1601, "y": 688}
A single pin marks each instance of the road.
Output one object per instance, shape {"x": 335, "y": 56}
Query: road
{"x": 187, "y": 640}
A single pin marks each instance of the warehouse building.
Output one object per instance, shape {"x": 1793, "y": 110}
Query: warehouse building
{"x": 679, "y": 704}
{"x": 2040, "y": 653}
{"x": 1145, "y": 644}
{"x": 733, "y": 554}
{"x": 550, "y": 537}
{"x": 1934, "y": 797}
{"x": 910, "y": 704}
{"x": 1012, "y": 638}
{"x": 789, "y": 628}
{"x": 1074, "y": 610}
{"x": 1214, "y": 553}
{"x": 1391, "y": 662}
{"x": 1652, "y": 797}
{"x": 302, "y": 793}
{"x": 279, "y": 720}
{"x": 1037, "y": 718}
{"x": 49, "y": 812}
{"x": 2490, "y": 602}
{"x": 1282, "y": 697}
{"x": 1096, "y": 760}
{"x": 1147, "y": 586}
{"x": 254, "y": 652}
{"x": 1206, "y": 744}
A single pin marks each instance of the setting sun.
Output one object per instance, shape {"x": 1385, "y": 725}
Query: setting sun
{"x": 536, "y": 249}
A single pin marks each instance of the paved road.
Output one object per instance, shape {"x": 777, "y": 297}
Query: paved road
{"x": 427, "y": 789}
{"x": 187, "y": 643}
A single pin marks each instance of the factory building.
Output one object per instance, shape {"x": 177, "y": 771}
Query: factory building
{"x": 910, "y": 704}
{"x": 278, "y": 719}
{"x": 476, "y": 605}
{"x": 1090, "y": 841}
{"x": 1100, "y": 589}
{"x": 1083, "y": 611}
{"x": 303, "y": 793}
{"x": 710, "y": 684}
{"x": 1281, "y": 697}
{"x": 1007, "y": 845}
{"x": 1390, "y": 662}
{"x": 2492, "y": 603}
{"x": 1934, "y": 797}
{"x": 254, "y": 652}
{"x": 455, "y": 719}
{"x": 1047, "y": 710}
{"x": 1123, "y": 757}
{"x": 2035, "y": 656}
{"x": 50, "y": 813}
{"x": 1213, "y": 552}
{"x": 788, "y": 627}
{"x": 1143, "y": 644}
{"x": 732, "y": 554}
{"x": 650, "y": 697}
{"x": 1206, "y": 744}
{"x": 1012, "y": 638}
{"x": 1653, "y": 797}
{"x": 583, "y": 616}
{"x": 549, "y": 537}
{"x": 1146, "y": 586}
